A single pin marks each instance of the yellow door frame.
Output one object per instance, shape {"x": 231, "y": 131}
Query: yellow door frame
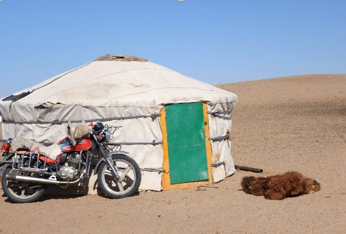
{"x": 166, "y": 177}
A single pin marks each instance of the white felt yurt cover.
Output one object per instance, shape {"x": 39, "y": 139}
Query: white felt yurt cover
{"x": 124, "y": 91}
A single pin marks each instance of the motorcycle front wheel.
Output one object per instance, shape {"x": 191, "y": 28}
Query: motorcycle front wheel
{"x": 20, "y": 192}
{"x": 127, "y": 184}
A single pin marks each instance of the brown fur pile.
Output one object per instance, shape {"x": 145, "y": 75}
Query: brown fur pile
{"x": 278, "y": 187}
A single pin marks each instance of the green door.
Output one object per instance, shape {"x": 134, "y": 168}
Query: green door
{"x": 186, "y": 142}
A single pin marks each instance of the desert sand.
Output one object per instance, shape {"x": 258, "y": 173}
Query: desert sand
{"x": 291, "y": 123}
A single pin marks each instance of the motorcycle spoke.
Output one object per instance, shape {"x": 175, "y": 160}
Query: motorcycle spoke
{"x": 121, "y": 187}
{"x": 124, "y": 174}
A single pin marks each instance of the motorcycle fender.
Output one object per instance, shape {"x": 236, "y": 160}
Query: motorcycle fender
{"x": 104, "y": 160}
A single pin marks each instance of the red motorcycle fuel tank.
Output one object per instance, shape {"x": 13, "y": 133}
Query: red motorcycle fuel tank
{"x": 81, "y": 144}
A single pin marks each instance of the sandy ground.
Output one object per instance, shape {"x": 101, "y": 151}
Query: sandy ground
{"x": 292, "y": 123}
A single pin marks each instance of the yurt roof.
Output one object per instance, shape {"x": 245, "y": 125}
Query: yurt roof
{"x": 115, "y": 79}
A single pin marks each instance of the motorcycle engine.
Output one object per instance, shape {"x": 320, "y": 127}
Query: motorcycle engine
{"x": 69, "y": 171}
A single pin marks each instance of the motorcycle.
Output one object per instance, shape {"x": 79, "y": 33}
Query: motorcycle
{"x": 29, "y": 172}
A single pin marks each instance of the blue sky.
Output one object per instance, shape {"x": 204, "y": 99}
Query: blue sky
{"x": 215, "y": 41}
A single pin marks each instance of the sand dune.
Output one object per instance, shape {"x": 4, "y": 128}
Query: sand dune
{"x": 290, "y": 123}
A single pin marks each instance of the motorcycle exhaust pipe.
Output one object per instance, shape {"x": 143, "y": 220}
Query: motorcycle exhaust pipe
{"x": 29, "y": 179}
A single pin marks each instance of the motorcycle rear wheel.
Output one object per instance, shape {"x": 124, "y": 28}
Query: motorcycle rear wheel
{"x": 20, "y": 192}
{"x": 130, "y": 177}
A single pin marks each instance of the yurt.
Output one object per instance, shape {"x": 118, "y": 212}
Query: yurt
{"x": 176, "y": 128}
